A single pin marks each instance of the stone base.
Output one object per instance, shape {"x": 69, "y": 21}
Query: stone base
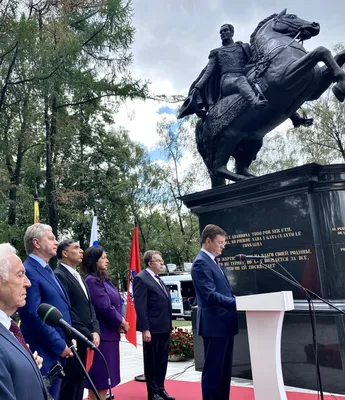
{"x": 296, "y": 219}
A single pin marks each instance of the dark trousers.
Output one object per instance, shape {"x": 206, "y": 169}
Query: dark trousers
{"x": 156, "y": 355}
{"x": 72, "y": 387}
{"x": 216, "y": 374}
{"x": 56, "y": 382}
{"x": 55, "y": 388}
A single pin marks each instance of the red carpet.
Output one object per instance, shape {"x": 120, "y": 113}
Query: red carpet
{"x": 192, "y": 391}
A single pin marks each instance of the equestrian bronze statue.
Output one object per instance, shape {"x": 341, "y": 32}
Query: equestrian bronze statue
{"x": 246, "y": 90}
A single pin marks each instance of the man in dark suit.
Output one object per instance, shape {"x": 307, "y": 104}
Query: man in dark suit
{"x": 216, "y": 315}
{"x": 40, "y": 245}
{"x": 153, "y": 306}
{"x": 20, "y": 377}
{"x": 83, "y": 315}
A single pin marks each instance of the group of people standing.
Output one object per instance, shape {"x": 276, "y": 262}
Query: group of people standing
{"x": 93, "y": 306}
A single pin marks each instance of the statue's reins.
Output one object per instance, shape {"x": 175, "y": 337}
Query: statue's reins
{"x": 264, "y": 61}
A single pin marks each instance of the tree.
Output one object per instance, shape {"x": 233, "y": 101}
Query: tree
{"x": 324, "y": 141}
{"x": 57, "y": 56}
{"x": 182, "y": 227}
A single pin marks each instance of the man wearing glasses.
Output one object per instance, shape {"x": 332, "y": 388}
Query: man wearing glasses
{"x": 153, "y": 306}
{"x": 216, "y": 315}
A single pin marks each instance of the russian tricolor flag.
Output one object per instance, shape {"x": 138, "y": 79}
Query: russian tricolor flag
{"x": 94, "y": 233}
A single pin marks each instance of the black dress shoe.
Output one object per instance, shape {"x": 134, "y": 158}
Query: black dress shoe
{"x": 165, "y": 395}
{"x": 155, "y": 397}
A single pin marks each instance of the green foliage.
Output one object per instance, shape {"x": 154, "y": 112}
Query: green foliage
{"x": 324, "y": 142}
{"x": 65, "y": 69}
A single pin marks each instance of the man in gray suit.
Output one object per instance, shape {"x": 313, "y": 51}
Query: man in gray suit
{"x": 20, "y": 377}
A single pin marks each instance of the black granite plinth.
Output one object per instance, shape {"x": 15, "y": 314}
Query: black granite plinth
{"x": 295, "y": 218}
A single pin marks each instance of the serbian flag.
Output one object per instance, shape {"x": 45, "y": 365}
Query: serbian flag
{"x": 134, "y": 268}
{"x": 89, "y": 359}
{"x": 94, "y": 233}
{"x": 36, "y": 208}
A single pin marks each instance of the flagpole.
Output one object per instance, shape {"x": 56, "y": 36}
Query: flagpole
{"x": 134, "y": 255}
{"x": 133, "y": 270}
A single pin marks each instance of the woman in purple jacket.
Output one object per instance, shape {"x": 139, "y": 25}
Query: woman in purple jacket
{"x": 108, "y": 306}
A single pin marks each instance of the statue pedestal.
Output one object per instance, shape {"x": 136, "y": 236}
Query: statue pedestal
{"x": 297, "y": 218}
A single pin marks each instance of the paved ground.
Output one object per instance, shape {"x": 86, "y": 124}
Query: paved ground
{"x": 132, "y": 365}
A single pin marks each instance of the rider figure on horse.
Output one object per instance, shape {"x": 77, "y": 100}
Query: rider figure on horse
{"x": 225, "y": 74}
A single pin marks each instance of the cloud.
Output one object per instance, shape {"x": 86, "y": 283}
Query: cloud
{"x": 174, "y": 37}
{"x": 140, "y": 118}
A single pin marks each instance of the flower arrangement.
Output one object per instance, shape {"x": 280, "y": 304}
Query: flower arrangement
{"x": 181, "y": 344}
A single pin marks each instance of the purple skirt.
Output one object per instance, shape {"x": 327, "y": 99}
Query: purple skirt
{"x": 98, "y": 372}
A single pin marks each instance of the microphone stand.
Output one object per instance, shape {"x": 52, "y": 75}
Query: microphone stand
{"x": 75, "y": 354}
{"x": 308, "y": 294}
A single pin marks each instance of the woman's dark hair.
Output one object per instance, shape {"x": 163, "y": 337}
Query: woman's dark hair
{"x": 89, "y": 263}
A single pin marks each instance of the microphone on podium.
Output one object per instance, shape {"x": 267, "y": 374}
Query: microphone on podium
{"x": 244, "y": 257}
{"x": 53, "y": 317}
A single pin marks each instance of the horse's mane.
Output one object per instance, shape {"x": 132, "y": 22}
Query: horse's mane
{"x": 252, "y": 36}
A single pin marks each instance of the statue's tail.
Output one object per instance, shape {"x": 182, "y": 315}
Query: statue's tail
{"x": 203, "y": 143}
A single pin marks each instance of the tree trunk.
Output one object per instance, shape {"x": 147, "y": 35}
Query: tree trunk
{"x": 51, "y": 195}
{"x": 15, "y": 175}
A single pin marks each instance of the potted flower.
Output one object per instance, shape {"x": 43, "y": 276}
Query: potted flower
{"x": 181, "y": 344}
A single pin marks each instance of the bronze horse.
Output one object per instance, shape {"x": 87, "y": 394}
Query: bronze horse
{"x": 287, "y": 76}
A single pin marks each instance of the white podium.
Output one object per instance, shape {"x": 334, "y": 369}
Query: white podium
{"x": 265, "y": 314}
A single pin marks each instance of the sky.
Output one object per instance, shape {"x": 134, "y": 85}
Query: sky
{"x": 174, "y": 37}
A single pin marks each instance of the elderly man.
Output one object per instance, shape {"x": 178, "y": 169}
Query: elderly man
{"x": 20, "y": 377}
{"x": 83, "y": 315}
{"x": 41, "y": 245}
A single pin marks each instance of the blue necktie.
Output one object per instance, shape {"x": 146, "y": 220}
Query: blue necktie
{"x": 51, "y": 273}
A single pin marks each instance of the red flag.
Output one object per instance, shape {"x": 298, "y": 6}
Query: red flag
{"x": 134, "y": 268}
{"x": 89, "y": 359}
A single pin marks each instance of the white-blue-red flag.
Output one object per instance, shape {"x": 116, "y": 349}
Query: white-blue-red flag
{"x": 94, "y": 233}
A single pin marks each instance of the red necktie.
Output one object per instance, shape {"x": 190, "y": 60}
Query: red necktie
{"x": 14, "y": 328}
{"x": 162, "y": 285}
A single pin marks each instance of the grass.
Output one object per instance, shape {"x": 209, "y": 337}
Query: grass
{"x": 181, "y": 323}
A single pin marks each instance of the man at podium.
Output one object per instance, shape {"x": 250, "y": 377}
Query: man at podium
{"x": 216, "y": 316}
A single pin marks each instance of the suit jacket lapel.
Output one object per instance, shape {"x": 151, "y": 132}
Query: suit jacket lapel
{"x": 216, "y": 267}
{"x": 226, "y": 278}
{"x": 157, "y": 284}
{"x": 73, "y": 280}
{"x": 8, "y": 335}
{"x": 61, "y": 290}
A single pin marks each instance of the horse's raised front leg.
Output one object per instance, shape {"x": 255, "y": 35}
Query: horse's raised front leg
{"x": 327, "y": 77}
{"x": 302, "y": 67}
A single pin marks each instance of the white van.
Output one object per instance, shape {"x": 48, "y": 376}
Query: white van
{"x": 182, "y": 294}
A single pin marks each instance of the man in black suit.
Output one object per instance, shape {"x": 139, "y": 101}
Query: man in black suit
{"x": 153, "y": 306}
{"x": 83, "y": 315}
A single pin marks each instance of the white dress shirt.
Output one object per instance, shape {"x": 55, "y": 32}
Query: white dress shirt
{"x": 77, "y": 276}
{"x": 5, "y": 320}
{"x": 153, "y": 275}
{"x": 213, "y": 258}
